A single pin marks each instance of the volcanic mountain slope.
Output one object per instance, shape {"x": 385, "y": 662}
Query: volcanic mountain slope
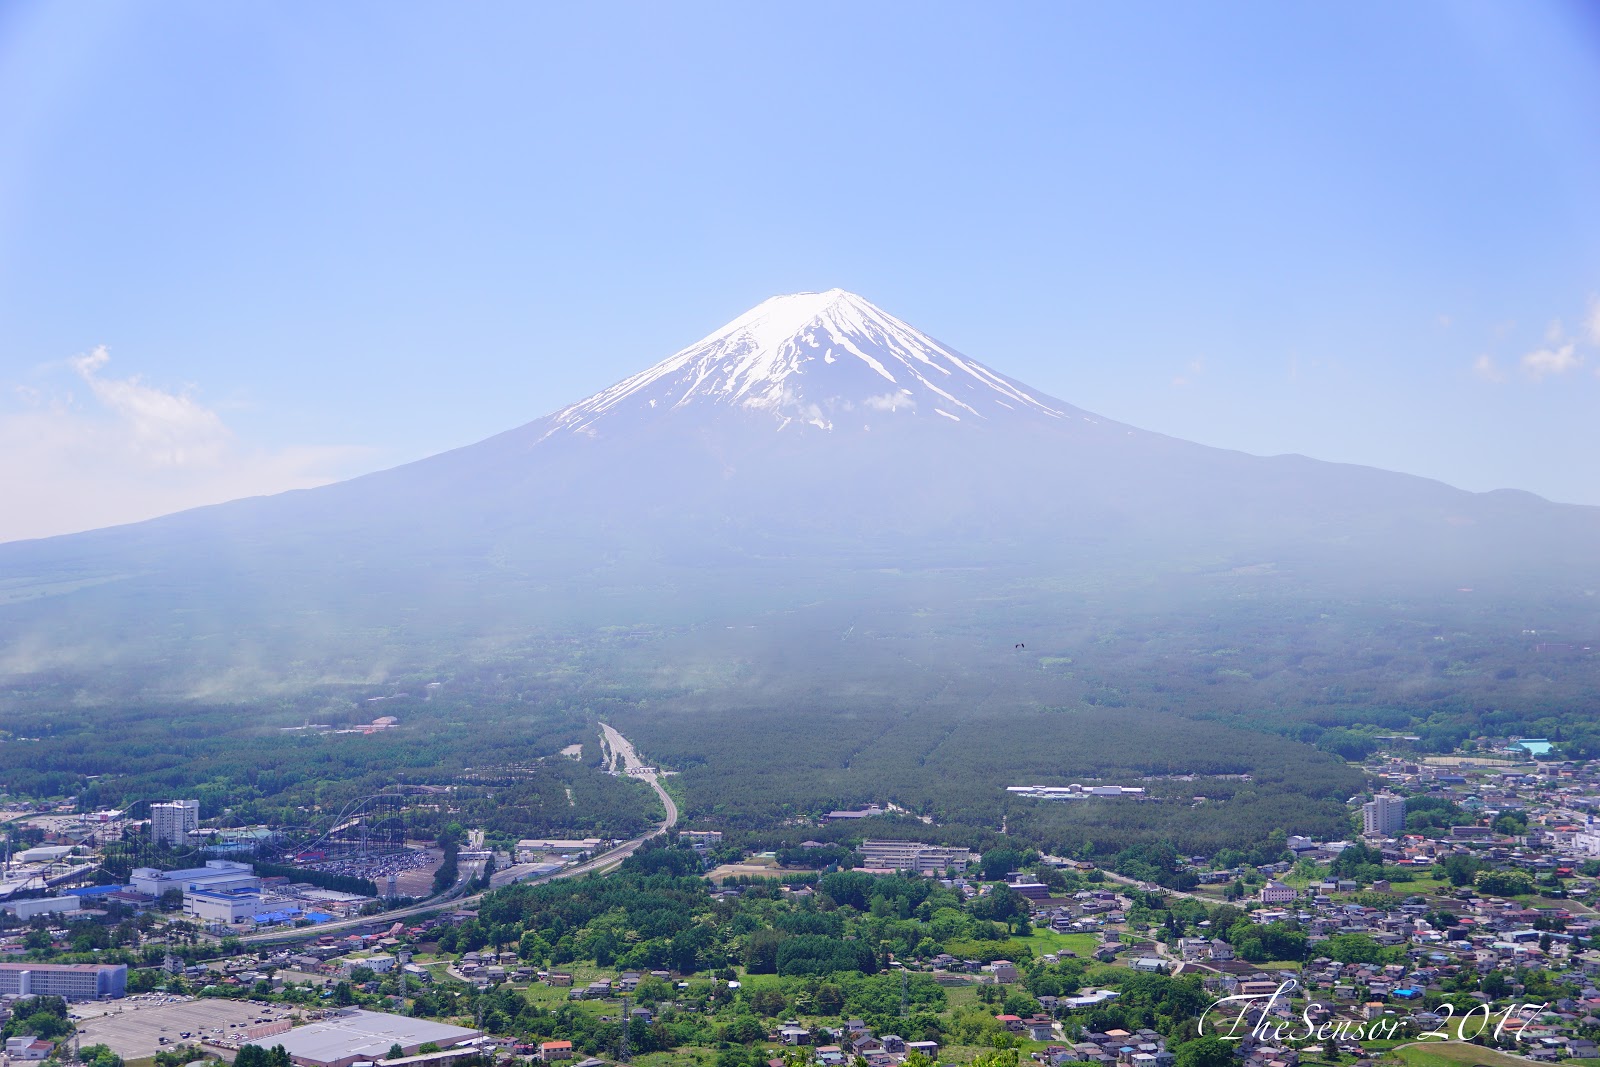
{"x": 816, "y": 450}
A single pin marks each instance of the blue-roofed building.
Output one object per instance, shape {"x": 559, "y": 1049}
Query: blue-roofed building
{"x": 88, "y": 891}
{"x": 283, "y": 915}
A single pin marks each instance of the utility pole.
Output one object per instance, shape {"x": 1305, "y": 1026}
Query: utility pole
{"x": 627, "y": 1021}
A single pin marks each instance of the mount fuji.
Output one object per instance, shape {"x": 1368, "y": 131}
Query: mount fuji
{"x": 821, "y": 360}
{"x": 815, "y": 463}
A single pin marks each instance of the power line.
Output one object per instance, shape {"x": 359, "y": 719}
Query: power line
{"x": 627, "y": 1020}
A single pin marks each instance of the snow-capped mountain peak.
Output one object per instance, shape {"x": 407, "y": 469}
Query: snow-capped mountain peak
{"x": 827, "y": 360}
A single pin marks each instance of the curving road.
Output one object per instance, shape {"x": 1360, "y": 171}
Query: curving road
{"x": 635, "y": 767}
{"x": 606, "y": 861}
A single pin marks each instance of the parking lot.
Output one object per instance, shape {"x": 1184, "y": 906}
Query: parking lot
{"x": 134, "y": 1026}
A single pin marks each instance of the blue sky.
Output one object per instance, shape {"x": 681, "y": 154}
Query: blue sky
{"x": 250, "y": 246}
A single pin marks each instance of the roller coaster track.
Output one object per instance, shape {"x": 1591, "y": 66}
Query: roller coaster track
{"x": 296, "y": 837}
{"x": 604, "y": 863}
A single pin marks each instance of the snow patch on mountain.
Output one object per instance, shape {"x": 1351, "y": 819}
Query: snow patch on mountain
{"x": 823, "y": 360}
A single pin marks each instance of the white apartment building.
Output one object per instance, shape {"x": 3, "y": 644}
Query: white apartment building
{"x": 1384, "y": 814}
{"x": 171, "y": 822}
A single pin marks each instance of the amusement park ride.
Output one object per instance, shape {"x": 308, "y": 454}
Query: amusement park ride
{"x": 366, "y": 828}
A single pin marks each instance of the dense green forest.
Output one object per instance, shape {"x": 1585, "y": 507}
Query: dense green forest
{"x": 485, "y": 764}
{"x": 825, "y": 707}
{"x": 952, "y": 766}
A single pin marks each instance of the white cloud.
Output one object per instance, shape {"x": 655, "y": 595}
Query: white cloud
{"x": 1591, "y": 322}
{"x": 170, "y": 429}
{"x": 890, "y": 402}
{"x": 1553, "y": 360}
{"x": 1484, "y": 367}
{"x": 1195, "y": 368}
{"x": 132, "y": 451}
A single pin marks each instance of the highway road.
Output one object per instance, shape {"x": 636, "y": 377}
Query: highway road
{"x": 606, "y": 861}
{"x": 634, "y": 766}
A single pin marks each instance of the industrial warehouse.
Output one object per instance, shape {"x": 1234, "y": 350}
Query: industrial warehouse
{"x": 356, "y": 1035}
